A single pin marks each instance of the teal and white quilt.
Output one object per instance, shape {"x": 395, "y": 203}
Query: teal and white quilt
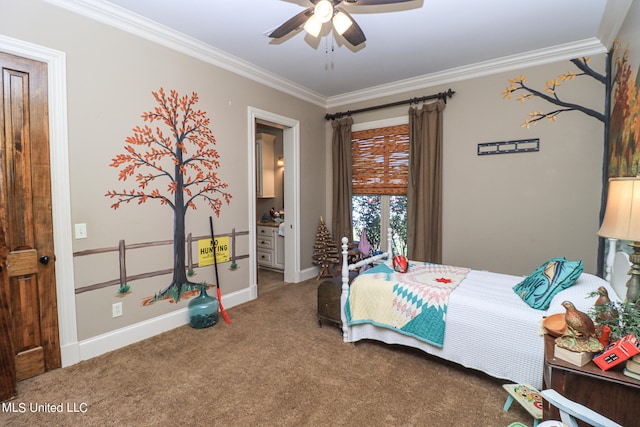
{"x": 412, "y": 303}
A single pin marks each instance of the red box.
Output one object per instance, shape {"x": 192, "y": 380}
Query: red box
{"x": 619, "y": 351}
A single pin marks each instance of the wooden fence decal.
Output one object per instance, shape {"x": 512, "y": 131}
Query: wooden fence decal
{"x": 122, "y": 248}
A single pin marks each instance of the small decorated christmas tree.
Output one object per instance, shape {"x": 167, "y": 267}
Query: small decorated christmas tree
{"x": 325, "y": 252}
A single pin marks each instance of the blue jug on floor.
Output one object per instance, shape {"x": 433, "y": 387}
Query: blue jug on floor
{"x": 203, "y": 310}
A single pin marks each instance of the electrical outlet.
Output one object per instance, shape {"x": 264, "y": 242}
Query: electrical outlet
{"x": 116, "y": 309}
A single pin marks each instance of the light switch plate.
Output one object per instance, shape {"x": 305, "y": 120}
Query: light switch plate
{"x": 81, "y": 231}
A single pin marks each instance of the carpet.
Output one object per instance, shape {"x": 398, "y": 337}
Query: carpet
{"x": 272, "y": 366}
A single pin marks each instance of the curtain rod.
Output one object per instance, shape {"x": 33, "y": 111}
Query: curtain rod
{"x": 441, "y": 95}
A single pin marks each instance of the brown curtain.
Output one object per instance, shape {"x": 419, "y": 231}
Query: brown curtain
{"x": 341, "y": 225}
{"x": 424, "y": 186}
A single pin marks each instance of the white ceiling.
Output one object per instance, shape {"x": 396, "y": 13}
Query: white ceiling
{"x": 418, "y": 39}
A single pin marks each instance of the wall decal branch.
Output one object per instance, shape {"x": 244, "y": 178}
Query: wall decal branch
{"x": 550, "y": 94}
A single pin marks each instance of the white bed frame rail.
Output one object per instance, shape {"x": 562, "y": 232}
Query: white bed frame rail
{"x": 346, "y": 268}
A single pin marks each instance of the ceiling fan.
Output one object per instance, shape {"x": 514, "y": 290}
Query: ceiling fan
{"x": 327, "y": 10}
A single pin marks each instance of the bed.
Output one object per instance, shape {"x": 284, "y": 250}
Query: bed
{"x": 488, "y": 326}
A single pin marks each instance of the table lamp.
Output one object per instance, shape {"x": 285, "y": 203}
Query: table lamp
{"x": 622, "y": 221}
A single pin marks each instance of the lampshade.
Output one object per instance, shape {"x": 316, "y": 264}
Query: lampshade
{"x": 313, "y": 26}
{"x": 341, "y": 22}
{"x": 622, "y": 215}
{"x": 323, "y": 11}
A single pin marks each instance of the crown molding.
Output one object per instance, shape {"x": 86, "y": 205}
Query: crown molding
{"x": 614, "y": 14}
{"x": 125, "y": 20}
{"x": 567, "y": 51}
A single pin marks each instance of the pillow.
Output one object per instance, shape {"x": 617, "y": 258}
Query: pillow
{"x": 542, "y": 285}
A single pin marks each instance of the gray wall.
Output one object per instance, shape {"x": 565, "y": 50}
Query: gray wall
{"x": 110, "y": 77}
{"x": 509, "y": 213}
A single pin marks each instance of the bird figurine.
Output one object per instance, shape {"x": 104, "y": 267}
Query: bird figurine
{"x": 578, "y": 323}
{"x": 603, "y": 296}
{"x": 604, "y": 307}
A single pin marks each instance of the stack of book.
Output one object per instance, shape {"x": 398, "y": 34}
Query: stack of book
{"x": 578, "y": 358}
{"x": 632, "y": 368}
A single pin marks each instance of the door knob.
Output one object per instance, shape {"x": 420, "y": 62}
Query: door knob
{"x": 44, "y": 259}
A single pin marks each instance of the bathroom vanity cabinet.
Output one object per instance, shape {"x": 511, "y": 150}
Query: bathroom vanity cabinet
{"x": 270, "y": 247}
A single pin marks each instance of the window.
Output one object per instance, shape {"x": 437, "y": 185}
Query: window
{"x": 380, "y": 170}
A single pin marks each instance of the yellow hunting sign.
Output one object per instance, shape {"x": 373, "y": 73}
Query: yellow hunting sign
{"x": 205, "y": 251}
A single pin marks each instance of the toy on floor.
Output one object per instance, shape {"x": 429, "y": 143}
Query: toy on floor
{"x": 528, "y": 397}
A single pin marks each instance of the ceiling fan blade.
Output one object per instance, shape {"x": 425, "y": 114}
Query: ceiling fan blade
{"x": 292, "y": 24}
{"x": 354, "y": 33}
{"x": 373, "y": 2}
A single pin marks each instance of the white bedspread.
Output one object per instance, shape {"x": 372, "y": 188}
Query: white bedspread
{"x": 491, "y": 329}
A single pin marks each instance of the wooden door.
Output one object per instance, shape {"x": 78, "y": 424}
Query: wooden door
{"x": 28, "y": 296}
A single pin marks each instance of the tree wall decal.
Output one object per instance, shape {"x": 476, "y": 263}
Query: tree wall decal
{"x": 175, "y": 168}
{"x": 550, "y": 94}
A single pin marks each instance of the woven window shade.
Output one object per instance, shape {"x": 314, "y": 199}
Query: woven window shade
{"x": 381, "y": 160}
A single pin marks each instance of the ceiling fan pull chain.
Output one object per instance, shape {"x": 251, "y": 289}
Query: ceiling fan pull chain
{"x": 332, "y": 49}
{"x": 326, "y": 54}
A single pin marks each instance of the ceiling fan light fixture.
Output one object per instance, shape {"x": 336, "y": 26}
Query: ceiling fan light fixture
{"x": 341, "y": 22}
{"x": 323, "y": 11}
{"x": 313, "y": 26}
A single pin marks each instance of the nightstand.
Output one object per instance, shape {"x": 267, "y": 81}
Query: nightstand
{"x": 610, "y": 393}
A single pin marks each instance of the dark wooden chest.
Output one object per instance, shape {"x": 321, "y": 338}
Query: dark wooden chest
{"x": 329, "y": 292}
{"x": 329, "y": 301}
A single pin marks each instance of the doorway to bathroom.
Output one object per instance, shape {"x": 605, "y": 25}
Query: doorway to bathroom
{"x": 274, "y": 200}
{"x": 270, "y": 212}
